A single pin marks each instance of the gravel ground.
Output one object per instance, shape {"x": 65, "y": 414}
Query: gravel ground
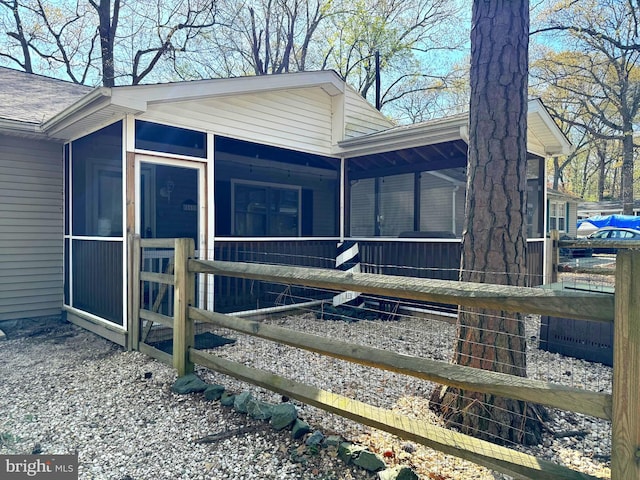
{"x": 65, "y": 390}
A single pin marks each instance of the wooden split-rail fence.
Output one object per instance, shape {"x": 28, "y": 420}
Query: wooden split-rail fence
{"x": 620, "y": 407}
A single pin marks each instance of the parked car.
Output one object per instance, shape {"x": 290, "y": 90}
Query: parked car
{"x": 613, "y": 234}
{"x": 574, "y": 252}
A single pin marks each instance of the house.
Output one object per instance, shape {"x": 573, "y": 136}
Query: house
{"x": 31, "y": 254}
{"x": 562, "y": 213}
{"x": 275, "y": 168}
{"x": 605, "y": 207}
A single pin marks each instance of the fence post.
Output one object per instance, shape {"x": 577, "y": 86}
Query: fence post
{"x": 625, "y": 428}
{"x": 552, "y": 259}
{"x": 134, "y": 289}
{"x": 184, "y": 293}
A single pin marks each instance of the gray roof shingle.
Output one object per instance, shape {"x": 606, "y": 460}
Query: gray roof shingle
{"x": 30, "y": 98}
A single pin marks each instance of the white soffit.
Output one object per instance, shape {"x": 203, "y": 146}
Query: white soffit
{"x": 544, "y": 136}
{"x": 544, "y": 132}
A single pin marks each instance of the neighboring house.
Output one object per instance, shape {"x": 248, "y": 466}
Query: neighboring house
{"x": 562, "y": 212}
{"x": 275, "y": 168}
{"x": 606, "y": 207}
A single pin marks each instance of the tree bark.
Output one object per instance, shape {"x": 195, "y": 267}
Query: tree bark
{"x": 494, "y": 242}
{"x": 626, "y": 193}
{"x": 107, "y": 27}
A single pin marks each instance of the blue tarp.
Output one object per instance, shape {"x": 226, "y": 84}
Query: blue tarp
{"x": 623, "y": 221}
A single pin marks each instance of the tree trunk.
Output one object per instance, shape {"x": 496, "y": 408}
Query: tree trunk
{"x": 602, "y": 162}
{"x": 493, "y": 242}
{"x": 626, "y": 183}
{"x": 107, "y": 28}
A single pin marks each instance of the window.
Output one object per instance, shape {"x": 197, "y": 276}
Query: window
{"x": 167, "y": 139}
{"x": 265, "y": 210}
{"x": 558, "y": 216}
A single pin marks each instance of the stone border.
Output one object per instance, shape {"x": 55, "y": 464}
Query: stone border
{"x": 285, "y": 416}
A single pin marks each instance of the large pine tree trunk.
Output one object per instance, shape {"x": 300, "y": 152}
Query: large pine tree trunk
{"x": 494, "y": 242}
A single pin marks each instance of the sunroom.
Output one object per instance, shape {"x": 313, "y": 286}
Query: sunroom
{"x": 275, "y": 169}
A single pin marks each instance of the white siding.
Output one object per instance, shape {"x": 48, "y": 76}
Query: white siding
{"x": 572, "y": 219}
{"x": 361, "y": 118}
{"x": 297, "y": 119}
{"x": 30, "y": 228}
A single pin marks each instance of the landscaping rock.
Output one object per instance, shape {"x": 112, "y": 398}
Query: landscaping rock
{"x": 315, "y": 440}
{"x": 333, "y": 441}
{"x": 347, "y": 451}
{"x": 283, "y": 415}
{"x": 397, "y": 473}
{"x": 227, "y": 399}
{"x": 300, "y": 429}
{"x": 259, "y": 410}
{"x": 369, "y": 461}
{"x": 214, "y": 392}
{"x": 189, "y": 384}
{"x": 241, "y": 400}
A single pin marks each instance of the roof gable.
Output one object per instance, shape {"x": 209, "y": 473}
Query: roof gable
{"x": 140, "y": 100}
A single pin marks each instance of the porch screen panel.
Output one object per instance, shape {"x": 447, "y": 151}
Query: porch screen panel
{"x": 94, "y": 248}
{"x": 97, "y": 183}
{"x": 363, "y": 208}
{"x": 97, "y": 278}
{"x": 535, "y": 198}
{"x": 396, "y": 205}
{"x": 436, "y": 205}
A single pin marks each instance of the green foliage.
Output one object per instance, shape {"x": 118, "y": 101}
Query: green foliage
{"x": 587, "y": 70}
{"x": 8, "y": 439}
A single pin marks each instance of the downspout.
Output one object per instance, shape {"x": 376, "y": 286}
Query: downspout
{"x": 343, "y": 186}
{"x": 453, "y": 207}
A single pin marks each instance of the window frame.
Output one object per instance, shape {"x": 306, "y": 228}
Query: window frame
{"x": 268, "y": 212}
{"x": 557, "y": 212}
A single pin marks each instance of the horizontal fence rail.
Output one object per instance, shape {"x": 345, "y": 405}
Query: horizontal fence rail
{"x": 519, "y": 465}
{"x": 619, "y": 407}
{"x": 590, "y": 403}
{"x": 599, "y": 243}
{"x": 579, "y": 305}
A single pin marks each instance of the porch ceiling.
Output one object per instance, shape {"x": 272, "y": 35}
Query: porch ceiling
{"x": 447, "y": 155}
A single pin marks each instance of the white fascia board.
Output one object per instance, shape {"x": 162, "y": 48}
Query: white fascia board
{"x": 98, "y": 96}
{"x": 562, "y": 145}
{"x": 98, "y": 100}
{"x": 455, "y": 128}
{"x": 415, "y": 135}
{"x": 330, "y": 82}
{"x": 15, "y": 127}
